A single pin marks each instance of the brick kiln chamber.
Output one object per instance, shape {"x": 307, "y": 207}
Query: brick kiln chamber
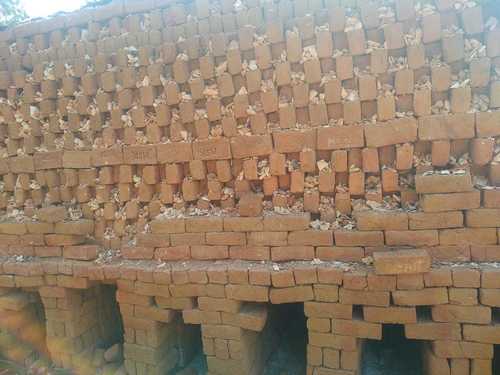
{"x": 193, "y": 187}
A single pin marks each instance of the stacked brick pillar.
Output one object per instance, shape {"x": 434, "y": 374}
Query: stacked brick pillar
{"x": 22, "y": 330}
{"x": 73, "y": 327}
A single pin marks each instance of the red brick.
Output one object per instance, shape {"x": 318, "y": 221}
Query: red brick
{"x": 450, "y": 201}
{"x": 461, "y": 314}
{"x": 433, "y": 331}
{"x": 357, "y": 328}
{"x": 292, "y": 294}
{"x": 462, "y": 349}
{"x": 466, "y": 236}
{"x": 358, "y": 238}
{"x": 288, "y": 253}
{"x": 294, "y": 140}
{"x": 366, "y": 298}
{"x": 244, "y": 146}
{"x": 416, "y": 238}
{"x": 438, "y": 220}
{"x": 391, "y": 132}
{"x": 401, "y": 262}
{"x": 438, "y": 183}
{"x": 340, "y": 137}
{"x": 428, "y": 296}
{"x": 448, "y": 126}
{"x": 289, "y": 222}
{"x": 390, "y": 315}
{"x": 381, "y": 220}
{"x": 338, "y": 253}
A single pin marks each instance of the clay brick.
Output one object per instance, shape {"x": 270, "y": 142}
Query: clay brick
{"x": 202, "y": 252}
{"x": 225, "y": 238}
{"x": 326, "y": 340}
{"x": 357, "y": 328}
{"x": 292, "y": 294}
{"x": 412, "y": 238}
{"x": 267, "y": 238}
{"x": 77, "y": 159}
{"x": 326, "y": 293}
{"x": 244, "y": 146}
{"x": 462, "y": 349}
{"x": 311, "y": 237}
{"x": 433, "y": 331}
{"x": 342, "y": 254}
{"x": 288, "y": 253}
{"x": 486, "y": 124}
{"x": 390, "y": 315}
{"x": 174, "y": 152}
{"x": 450, "y": 201}
{"x": 340, "y": 137}
{"x": 327, "y": 310}
{"x": 52, "y": 214}
{"x": 401, "y": 262}
{"x": 429, "y": 296}
{"x": 140, "y": 154}
{"x": 440, "y": 220}
{"x": 491, "y": 198}
{"x": 355, "y": 238}
{"x": 482, "y": 217}
{"x": 248, "y": 293}
{"x": 249, "y": 252}
{"x": 461, "y": 314}
{"x": 87, "y": 252}
{"x": 391, "y": 133}
{"x": 476, "y": 236}
{"x": 137, "y": 252}
{"x": 437, "y": 183}
{"x": 204, "y": 224}
{"x": 292, "y": 222}
{"x": 367, "y": 298}
{"x": 243, "y": 224}
{"x": 212, "y": 149}
{"x": 450, "y": 126}
{"x": 438, "y": 277}
{"x": 167, "y": 226}
{"x": 80, "y": 227}
{"x": 172, "y": 253}
{"x": 294, "y": 140}
{"x": 483, "y": 334}
{"x": 250, "y": 204}
{"x": 381, "y": 220}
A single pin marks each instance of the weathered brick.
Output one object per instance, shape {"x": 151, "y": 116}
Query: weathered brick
{"x": 401, "y": 262}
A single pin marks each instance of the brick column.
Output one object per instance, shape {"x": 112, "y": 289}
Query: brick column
{"x": 72, "y": 326}
{"x": 155, "y": 339}
{"x": 22, "y": 330}
{"x": 234, "y": 336}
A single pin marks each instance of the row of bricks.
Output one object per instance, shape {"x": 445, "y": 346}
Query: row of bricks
{"x": 432, "y": 128}
{"x": 176, "y": 14}
{"x": 128, "y": 77}
{"x": 186, "y": 283}
{"x": 479, "y": 244}
{"x": 335, "y": 16}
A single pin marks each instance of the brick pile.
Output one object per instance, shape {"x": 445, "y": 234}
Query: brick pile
{"x": 211, "y": 158}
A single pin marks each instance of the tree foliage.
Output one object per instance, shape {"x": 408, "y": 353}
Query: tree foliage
{"x": 11, "y": 12}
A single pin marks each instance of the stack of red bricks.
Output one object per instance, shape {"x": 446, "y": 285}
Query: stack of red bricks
{"x": 208, "y": 141}
{"x": 451, "y": 310}
{"x": 125, "y": 111}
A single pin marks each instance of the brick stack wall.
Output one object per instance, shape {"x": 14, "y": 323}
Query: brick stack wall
{"x": 212, "y": 158}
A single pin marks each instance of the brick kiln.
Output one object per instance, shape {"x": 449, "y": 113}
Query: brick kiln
{"x": 174, "y": 171}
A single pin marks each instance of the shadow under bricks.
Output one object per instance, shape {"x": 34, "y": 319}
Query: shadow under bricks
{"x": 110, "y": 319}
{"x": 287, "y": 323}
{"x": 496, "y": 360}
{"x": 191, "y": 359}
{"x": 393, "y": 355}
